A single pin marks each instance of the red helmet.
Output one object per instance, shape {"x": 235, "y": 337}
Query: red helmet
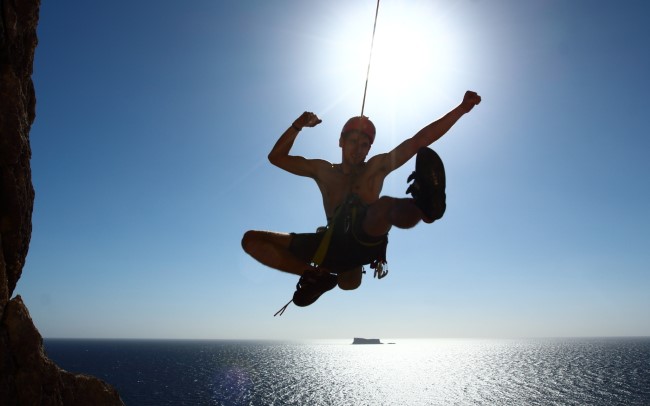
{"x": 361, "y": 124}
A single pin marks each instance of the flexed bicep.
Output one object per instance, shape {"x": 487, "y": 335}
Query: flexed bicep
{"x": 297, "y": 165}
{"x": 280, "y": 153}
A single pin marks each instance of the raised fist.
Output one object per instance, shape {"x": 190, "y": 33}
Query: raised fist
{"x": 307, "y": 119}
{"x": 470, "y": 100}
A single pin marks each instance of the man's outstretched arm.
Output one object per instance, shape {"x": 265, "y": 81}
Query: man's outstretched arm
{"x": 279, "y": 155}
{"x": 438, "y": 128}
{"x": 432, "y": 132}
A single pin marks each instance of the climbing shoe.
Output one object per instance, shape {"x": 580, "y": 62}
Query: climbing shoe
{"x": 428, "y": 187}
{"x": 312, "y": 285}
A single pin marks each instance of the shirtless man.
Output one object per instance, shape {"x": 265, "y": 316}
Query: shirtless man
{"x": 358, "y": 217}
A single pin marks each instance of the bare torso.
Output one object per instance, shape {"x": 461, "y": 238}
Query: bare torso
{"x": 336, "y": 182}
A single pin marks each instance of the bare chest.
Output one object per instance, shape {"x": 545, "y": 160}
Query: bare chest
{"x": 336, "y": 186}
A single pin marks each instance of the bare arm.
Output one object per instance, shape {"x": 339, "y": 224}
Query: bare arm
{"x": 279, "y": 155}
{"x": 429, "y": 134}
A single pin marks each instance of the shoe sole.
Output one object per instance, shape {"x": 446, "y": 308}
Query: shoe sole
{"x": 429, "y": 193}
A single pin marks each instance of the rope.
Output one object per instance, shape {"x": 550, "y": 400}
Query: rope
{"x": 320, "y": 254}
{"x": 372, "y": 43}
{"x": 323, "y": 247}
{"x": 281, "y": 311}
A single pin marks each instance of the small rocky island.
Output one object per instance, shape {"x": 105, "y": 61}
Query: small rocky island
{"x": 358, "y": 340}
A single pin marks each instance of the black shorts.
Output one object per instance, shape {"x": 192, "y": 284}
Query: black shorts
{"x": 346, "y": 250}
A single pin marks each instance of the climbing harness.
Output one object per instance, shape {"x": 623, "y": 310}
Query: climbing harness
{"x": 344, "y": 217}
{"x": 350, "y": 215}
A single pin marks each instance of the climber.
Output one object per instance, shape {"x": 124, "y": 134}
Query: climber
{"x": 358, "y": 218}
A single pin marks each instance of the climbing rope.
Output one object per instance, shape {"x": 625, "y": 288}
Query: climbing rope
{"x": 323, "y": 247}
{"x": 372, "y": 43}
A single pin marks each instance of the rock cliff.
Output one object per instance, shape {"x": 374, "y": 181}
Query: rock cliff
{"x": 27, "y": 376}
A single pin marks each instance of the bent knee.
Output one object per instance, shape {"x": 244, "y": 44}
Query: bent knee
{"x": 350, "y": 280}
{"x": 248, "y": 240}
{"x": 349, "y": 285}
{"x": 254, "y": 240}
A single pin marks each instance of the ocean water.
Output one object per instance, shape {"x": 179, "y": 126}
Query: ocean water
{"x": 334, "y": 372}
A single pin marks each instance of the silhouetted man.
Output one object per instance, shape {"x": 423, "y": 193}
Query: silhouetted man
{"x": 358, "y": 218}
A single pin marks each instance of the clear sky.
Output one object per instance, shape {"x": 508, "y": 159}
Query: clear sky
{"x": 154, "y": 120}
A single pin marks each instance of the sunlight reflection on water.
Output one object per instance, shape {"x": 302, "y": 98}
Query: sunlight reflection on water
{"x": 440, "y": 372}
{"x": 334, "y": 372}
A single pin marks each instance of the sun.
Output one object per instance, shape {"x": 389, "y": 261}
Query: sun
{"x": 399, "y": 56}
{"x": 413, "y": 50}
{"x": 410, "y": 47}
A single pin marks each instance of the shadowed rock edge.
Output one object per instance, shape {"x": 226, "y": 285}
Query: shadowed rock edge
{"x": 27, "y": 376}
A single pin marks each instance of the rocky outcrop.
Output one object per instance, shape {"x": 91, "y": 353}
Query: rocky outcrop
{"x": 30, "y": 378}
{"x": 17, "y": 104}
{"x": 27, "y": 376}
{"x": 359, "y": 340}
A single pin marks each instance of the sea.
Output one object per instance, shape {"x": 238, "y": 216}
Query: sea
{"x": 576, "y": 371}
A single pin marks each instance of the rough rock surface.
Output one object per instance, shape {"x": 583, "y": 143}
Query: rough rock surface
{"x": 27, "y": 376}
{"x": 30, "y": 378}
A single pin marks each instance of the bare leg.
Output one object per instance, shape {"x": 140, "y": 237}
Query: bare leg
{"x": 351, "y": 279}
{"x": 391, "y": 211}
{"x": 272, "y": 249}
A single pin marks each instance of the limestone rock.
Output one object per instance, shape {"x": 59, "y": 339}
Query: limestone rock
{"x": 27, "y": 376}
{"x": 36, "y": 380}
{"x": 18, "y": 21}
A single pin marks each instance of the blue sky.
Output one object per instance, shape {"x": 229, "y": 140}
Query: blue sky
{"x": 154, "y": 119}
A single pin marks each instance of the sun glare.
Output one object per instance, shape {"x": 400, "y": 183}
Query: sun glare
{"x": 413, "y": 48}
{"x": 402, "y": 54}
{"x": 413, "y": 52}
